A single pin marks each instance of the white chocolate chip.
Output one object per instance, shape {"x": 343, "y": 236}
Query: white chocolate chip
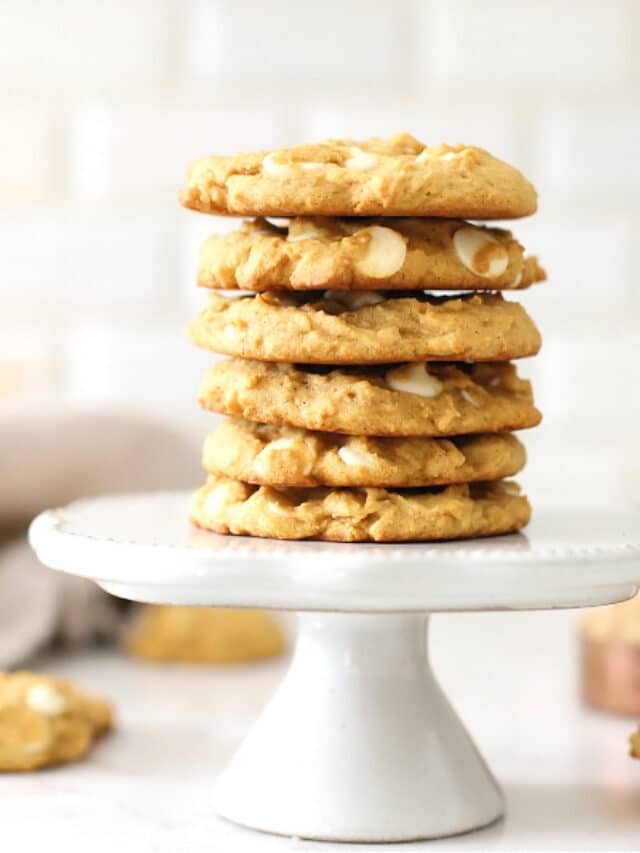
{"x": 361, "y": 161}
{"x": 276, "y": 508}
{"x": 480, "y": 252}
{"x": 511, "y": 488}
{"x": 273, "y": 168}
{"x": 304, "y": 235}
{"x": 467, "y": 396}
{"x": 518, "y": 278}
{"x": 308, "y": 231}
{"x": 428, "y": 154}
{"x": 260, "y": 464}
{"x": 414, "y": 379}
{"x": 46, "y": 700}
{"x": 281, "y": 444}
{"x": 354, "y": 456}
{"x": 224, "y": 494}
{"x": 231, "y": 332}
{"x": 354, "y": 298}
{"x": 233, "y": 295}
{"x": 385, "y": 253}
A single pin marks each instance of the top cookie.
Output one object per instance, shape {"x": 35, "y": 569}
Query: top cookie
{"x": 398, "y": 176}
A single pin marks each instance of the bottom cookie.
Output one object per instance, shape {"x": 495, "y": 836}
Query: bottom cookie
{"x": 204, "y": 635}
{"x": 360, "y": 515}
{"x": 46, "y": 721}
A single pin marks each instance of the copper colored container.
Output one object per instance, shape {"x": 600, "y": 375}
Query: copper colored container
{"x": 611, "y": 675}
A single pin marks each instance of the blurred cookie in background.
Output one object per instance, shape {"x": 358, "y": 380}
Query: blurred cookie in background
{"x": 203, "y": 635}
{"x": 634, "y": 742}
{"x": 46, "y": 721}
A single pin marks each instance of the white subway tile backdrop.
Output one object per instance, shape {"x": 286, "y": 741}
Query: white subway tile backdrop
{"x": 105, "y": 103}
{"x": 571, "y": 43}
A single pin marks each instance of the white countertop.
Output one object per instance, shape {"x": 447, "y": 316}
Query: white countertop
{"x": 569, "y": 782}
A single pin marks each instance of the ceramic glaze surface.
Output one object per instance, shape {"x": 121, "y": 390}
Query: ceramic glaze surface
{"x": 142, "y": 547}
{"x": 359, "y": 743}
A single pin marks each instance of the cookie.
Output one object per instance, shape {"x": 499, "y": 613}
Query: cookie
{"x": 344, "y": 327}
{"x": 634, "y": 744}
{"x": 360, "y": 515}
{"x": 46, "y": 721}
{"x": 356, "y": 254}
{"x": 285, "y": 456}
{"x": 204, "y": 635}
{"x": 409, "y": 400}
{"x": 399, "y": 176}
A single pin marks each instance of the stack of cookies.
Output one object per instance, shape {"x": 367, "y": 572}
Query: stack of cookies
{"x": 361, "y": 404}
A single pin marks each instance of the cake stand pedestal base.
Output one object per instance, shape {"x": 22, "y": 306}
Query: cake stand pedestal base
{"x": 359, "y": 743}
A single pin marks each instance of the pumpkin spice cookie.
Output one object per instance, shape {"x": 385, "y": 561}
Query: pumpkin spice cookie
{"x": 360, "y": 515}
{"x": 345, "y": 327}
{"x": 286, "y": 456}
{"x": 407, "y": 400}
{"x": 203, "y": 635}
{"x": 46, "y": 721}
{"x": 634, "y": 744}
{"x": 361, "y": 254}
{"x": 399, "y": 176}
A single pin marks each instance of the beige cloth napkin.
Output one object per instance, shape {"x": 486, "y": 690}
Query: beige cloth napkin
{"x": 46, "y": 460}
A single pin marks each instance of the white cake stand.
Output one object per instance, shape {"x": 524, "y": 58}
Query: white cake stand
{"x": 359, "y": 743}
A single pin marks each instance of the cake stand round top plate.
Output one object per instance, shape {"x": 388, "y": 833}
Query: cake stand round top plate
{"x": 142, "y": 547}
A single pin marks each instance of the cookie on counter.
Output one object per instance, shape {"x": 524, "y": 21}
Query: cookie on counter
{"x": 46, "y": 721}
{"x": 433, "y": 399}
{"x": 286, "y": 456}
{"x": 634, "y": 744}
{"x": 398, "y": 176}
{"x": 307, "y": 253}
{"x": 203, "y": 635}
{"x": 365, "y": 327}
{"x": 360, "y": 515}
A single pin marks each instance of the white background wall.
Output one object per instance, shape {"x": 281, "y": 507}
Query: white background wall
{"x": 104, "y": 103}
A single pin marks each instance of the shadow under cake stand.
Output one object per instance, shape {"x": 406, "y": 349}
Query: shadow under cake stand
{"x": 359, "y": 743}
